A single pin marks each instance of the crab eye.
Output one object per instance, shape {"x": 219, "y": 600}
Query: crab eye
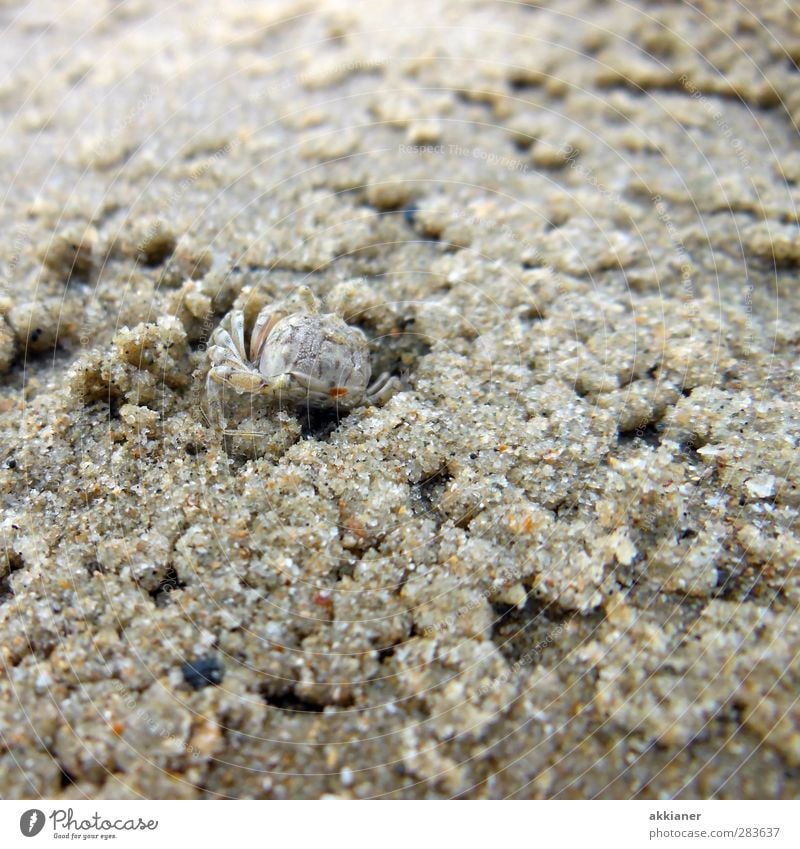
{"x": 337, "y": 392}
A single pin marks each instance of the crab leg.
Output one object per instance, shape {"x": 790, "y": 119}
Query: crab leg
{"x": 267, "y": 319}
{"x": 233, "y": 323}
{"x": 383, "y": 388}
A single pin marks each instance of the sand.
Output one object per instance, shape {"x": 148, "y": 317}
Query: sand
{"x": 560, "y": 562}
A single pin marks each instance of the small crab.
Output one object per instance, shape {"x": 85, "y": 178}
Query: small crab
{"x": 296, "y": 356}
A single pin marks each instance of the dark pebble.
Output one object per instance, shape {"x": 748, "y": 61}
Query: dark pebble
{"x": 409, "y": 212}
{"x": 202, "y": 672}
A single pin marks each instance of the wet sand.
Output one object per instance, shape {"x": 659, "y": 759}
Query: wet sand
{"x": 562, "y": 561}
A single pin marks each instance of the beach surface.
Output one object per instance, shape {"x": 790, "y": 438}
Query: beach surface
{"x": 561, "y": 561}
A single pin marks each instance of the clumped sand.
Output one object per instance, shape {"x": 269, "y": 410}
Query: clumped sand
{"x": 563, "y": 561}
